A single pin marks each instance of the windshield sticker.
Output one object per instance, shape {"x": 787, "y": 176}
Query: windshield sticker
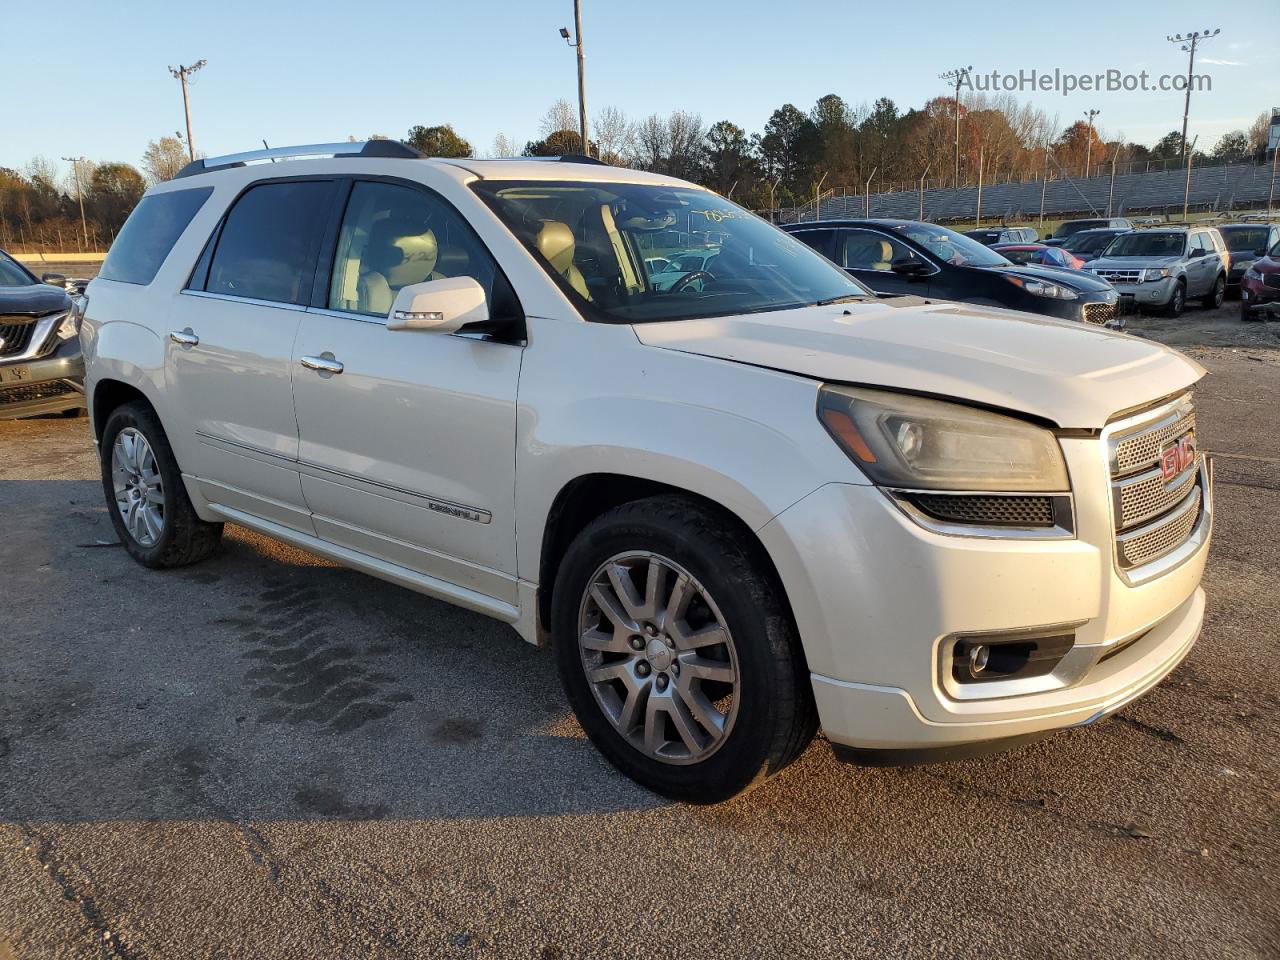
{"x": 716, "y": 216}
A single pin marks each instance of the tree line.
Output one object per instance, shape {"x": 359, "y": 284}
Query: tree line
{"x": 833, "y": 146}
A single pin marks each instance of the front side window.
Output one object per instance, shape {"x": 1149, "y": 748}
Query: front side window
{"x": 268, "y": 245}
{"x": 868, "y": 250}
{"x": 150, "y": 233}
{"x": 951, "y": 247}
{"x": 594, "y": 240}
{"x": 393, "y": 236}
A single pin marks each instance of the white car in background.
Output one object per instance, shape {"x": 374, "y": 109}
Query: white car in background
{"x": 738, "y": 508}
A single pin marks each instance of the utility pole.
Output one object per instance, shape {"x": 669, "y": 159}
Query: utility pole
{"x": 1186, "y": 195}
{"x": 1088, "y": 144}
{"x": 1111, "y": 194}
{"x": 1188, "y": 44}
{"x": 582, "y": 75}
{"x": 868, "y": 196}
{"x": 977, "y": 220}
{"x": 957, "y": 76}
{"x": 1044, "y": 185}
{"x": 75, "y": 166}
{"x": 1271, "y": 190}
{"x": 182, "y": 73}
{"x": 817, "y": 196}
{"x": 922, "y": 181}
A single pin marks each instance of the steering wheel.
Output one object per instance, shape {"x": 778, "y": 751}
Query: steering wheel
{"x": 688, "y": 278}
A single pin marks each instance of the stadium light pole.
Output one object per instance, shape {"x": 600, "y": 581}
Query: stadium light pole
{"x": 75, "y": 166}
{"x": 181, "y": 73}
{"x": 1188, "y": 43}
{"x": 1088, "y": 144}
{"x": 582, "y": 75}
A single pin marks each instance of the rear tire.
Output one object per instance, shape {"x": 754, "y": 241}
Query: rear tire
{"x": 748, "y": 697}
{"x": 1213, "y": 299}
{"x": 146, "y": 498}
{"x": 1177, "y": 302}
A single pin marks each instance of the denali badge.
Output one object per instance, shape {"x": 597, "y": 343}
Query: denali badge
{"x": 1177, "y": 456}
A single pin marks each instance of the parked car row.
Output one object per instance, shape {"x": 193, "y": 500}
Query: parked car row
{"x": 754, "y": 501}
{"x": 41, "y": 370}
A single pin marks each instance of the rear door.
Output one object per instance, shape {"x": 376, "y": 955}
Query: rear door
{"x": 408, "y": 453}
{"x": 1202, "y": 263}
{"x": 230, "y": 348}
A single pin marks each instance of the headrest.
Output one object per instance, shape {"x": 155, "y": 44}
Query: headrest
{"x": 555, "y": 242}
{"x": 401, "y": 247}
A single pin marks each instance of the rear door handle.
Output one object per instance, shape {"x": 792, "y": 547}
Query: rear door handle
{"x": 325, "y": 363}
{"x": 185, "y": 338}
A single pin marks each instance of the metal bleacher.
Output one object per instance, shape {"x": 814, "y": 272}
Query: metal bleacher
{"x": 1220, "y": 189}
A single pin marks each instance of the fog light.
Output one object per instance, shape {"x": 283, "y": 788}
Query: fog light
{"x": 979, "y": 655}
{"x": 984, "y": 658}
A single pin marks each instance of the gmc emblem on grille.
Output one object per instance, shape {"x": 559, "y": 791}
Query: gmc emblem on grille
{"x": 1177, "y": 456}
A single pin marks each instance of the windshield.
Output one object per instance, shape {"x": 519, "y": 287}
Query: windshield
{"x": 1075, "y": 226}
{"x": 951, "y": 247}
{"x": 635, "y": 253}
{"x": 1088, "y": 242}
{"x": 1245, "y": 239}
{"x": 12, "y": 275}
{"x": 1147, "y": 244}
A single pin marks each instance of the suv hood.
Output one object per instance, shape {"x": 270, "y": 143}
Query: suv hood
{"x": 1064, "y": 372}
{"x": 36, "y": 299}
{"x": 1133, "y": 263}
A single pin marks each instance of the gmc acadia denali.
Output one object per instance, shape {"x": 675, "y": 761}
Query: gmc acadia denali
{"x": 739, "y": 505}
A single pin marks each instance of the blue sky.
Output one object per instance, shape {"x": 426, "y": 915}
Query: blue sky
{"x": 319, "y": 70}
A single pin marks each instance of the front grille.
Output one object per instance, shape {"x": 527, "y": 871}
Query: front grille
{"x": 1153, "y": 516}
{"x": 35, "y": 391}
{"x": 986, "y": 509}
{"x": 1120, "y": 276}
{"x": 1099, "y": 313}
{"x": 15, "y": 333}
{"x": 1153, "y": 542}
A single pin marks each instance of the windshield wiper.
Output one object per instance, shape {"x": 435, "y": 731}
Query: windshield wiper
{"x": 847, "y": 298}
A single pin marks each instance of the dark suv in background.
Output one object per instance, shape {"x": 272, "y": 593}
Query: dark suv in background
{"x": 1247, "y": 243}
{"x": 1088, "y": 245}
{"x": 1071, "y": 227}
{"x": 41, "y": 370}
{"x": 992, "y": 236}
{"x": 908, "y": 257}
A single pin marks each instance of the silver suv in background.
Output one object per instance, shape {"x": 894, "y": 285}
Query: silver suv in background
{"x": 1160, "y": 269}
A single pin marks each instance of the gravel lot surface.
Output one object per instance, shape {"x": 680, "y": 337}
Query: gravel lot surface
{"x": 268, "y": 756}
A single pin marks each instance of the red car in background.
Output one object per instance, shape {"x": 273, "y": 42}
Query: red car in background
{"x": 1260, "y": 283}
{"x": 1039, "y": 253}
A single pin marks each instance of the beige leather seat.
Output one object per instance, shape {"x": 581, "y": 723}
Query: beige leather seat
{"x": 868, "y": 253}
{"x": 393, "y": 258}
{"x": 555, "y": 242}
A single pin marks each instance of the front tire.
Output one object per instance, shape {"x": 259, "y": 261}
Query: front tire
{"x": 677, "y": 651}
{"x": 146, "y": 499}
{"x": 1213, "y": 299}
{"x": 1177, "y": 302}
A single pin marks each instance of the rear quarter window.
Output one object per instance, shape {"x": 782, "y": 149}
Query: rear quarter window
{"x": 150, "y": 233}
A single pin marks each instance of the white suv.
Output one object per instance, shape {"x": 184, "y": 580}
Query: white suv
{"x": 741, "y": 505}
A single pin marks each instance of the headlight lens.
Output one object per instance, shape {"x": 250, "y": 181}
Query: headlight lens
{"x": 69, "y": 327}
{"x": 1042, "y": 288}
{"x": 920, "y": 444}
{"x": 1154, "y": 273}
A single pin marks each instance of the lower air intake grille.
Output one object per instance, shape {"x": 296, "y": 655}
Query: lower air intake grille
{"x": 985, "y": 509}
{"x": 35, "y": 391}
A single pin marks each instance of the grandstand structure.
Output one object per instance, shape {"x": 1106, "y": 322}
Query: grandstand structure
{"x": 1220, "y": 189}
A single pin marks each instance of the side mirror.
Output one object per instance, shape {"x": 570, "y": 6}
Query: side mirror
{"x": 1199, "y": 252}
{"x": 439, "y": 306}
{"x": 907, "y": 267}
{"x": 53, "y": 279}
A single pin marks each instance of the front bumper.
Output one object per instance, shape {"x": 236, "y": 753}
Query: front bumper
{"x": 878, "y": 600}
{"x": 1256, "y": 292}
{"x": 50, "y": 384}
{"x": 1156, "y": 293}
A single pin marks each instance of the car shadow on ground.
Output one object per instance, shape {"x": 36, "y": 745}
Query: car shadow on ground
{"x": 266, "y": 683}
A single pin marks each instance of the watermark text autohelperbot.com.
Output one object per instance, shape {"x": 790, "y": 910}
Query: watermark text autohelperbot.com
{"x": 1067, "y": 83}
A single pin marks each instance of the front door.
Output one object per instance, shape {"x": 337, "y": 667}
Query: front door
{"x": 230, "y": 348}
{"x": 408, "y": 453}
{"x": 869, "y": 256}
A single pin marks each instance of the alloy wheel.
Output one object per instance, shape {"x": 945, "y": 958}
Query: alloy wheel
{"x": 139, "y": 490}
{"x": 659, "y": 657}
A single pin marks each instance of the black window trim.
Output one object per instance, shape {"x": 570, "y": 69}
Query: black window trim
{"x": 215, "y": 237}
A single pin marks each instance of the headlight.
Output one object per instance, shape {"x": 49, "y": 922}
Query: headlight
{"x": 915, "y": 443}
{"x": 68, "y": 327}
{"x": 1042, "y": 288}
{"x": 1154, "y": 273}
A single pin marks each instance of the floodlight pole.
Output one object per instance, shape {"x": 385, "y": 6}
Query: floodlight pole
{"x": 1189, "y": 43}
{"x": 75, "y": 166}
{"x": 181, "y": 73}
{"x": 922, "y": 181}
{"x": 1186, "y": 194}
{"x": 956, "y": 76}
{"x": 1088, "y": 143}
{"x": 576, "y": 43}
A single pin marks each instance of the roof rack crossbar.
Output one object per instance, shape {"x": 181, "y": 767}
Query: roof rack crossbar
{"x": 367, "y": 148}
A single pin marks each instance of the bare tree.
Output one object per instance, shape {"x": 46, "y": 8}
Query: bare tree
{"x": 163, "y": 159}
{"x": 503, "y": 147}
{"x": 561, "y": 115}
{"x": 615, "y": 135}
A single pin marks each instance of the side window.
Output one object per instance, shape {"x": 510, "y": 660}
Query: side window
{"x": 864, "y": 250}
{"x": 1199, "y": 241}
{"x": 395, "y": 235}
{"x": 150, "y": 233}
{"x": 820, "y": 240}
{"x": 269, "y": 242}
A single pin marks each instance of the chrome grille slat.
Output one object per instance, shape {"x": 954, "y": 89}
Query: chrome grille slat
{"x": 1138, "y": 451}
{"x": 1165, "y": 535}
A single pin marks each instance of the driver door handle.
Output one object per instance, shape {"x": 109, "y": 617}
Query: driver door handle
{"x": 185, "y": 338}
{"x": 322, "y": 364}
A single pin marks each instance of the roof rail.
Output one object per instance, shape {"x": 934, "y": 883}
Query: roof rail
{"x": 367, "y": 148}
